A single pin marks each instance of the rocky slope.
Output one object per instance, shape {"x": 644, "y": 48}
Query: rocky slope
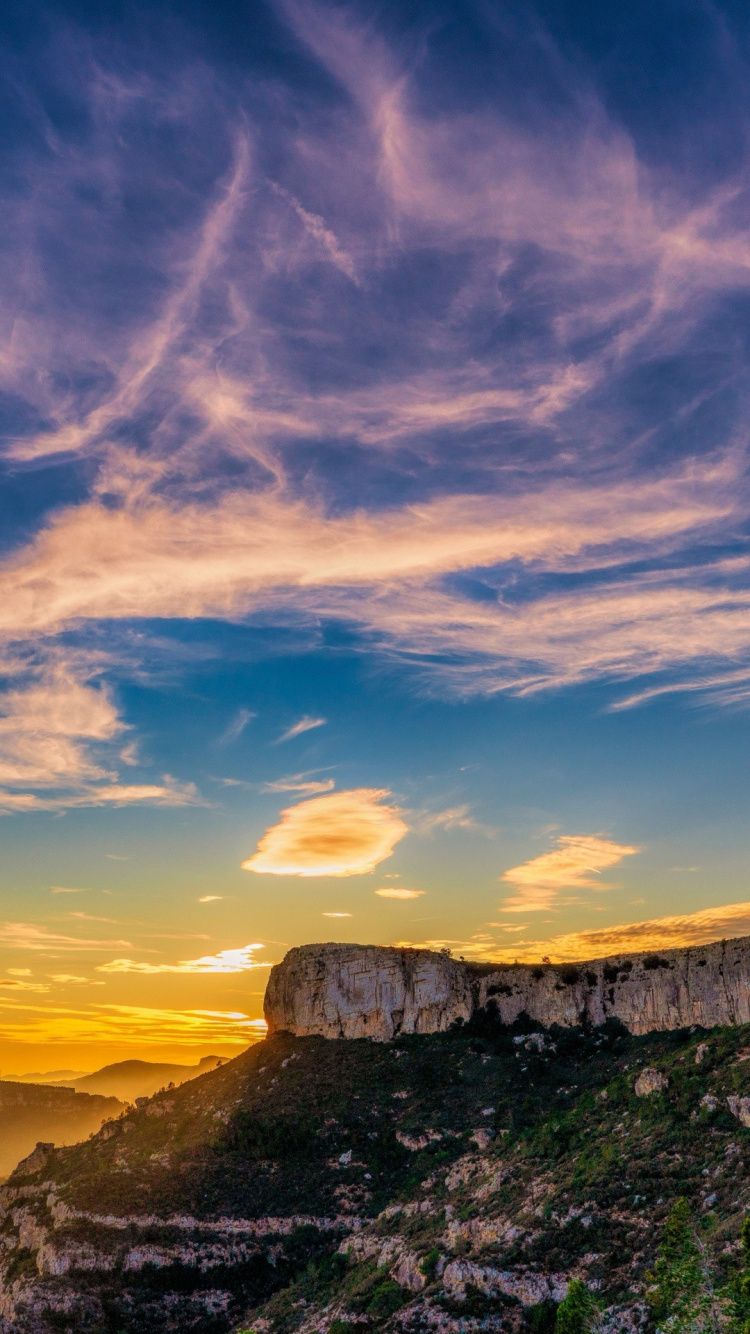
{"x": 354, "y": 991}
{"x": 452, "y": 1181}
{"x": 31, "y": 1112}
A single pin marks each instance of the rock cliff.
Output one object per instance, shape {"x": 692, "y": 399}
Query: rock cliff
{"x": 355, "y": 991}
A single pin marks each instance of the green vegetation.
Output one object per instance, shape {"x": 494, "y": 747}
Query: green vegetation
{"x": 578, "y": 1313}
{"x": 738, "y": 1291}
{"x": 579, "y": 1176}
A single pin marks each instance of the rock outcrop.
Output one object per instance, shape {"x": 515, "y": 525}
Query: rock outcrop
{"x": 366, "y": 991}
{"x": 355, "y": 991}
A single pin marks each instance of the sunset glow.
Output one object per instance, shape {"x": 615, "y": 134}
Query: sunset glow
{"x": 375, "y": 560}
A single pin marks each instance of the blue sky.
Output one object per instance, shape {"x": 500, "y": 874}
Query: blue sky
{"x": 373, "y": 396}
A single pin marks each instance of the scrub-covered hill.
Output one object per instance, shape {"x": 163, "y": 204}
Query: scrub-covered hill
{"x": 454, "y": 1177}
{"x": 31, "y": 1112}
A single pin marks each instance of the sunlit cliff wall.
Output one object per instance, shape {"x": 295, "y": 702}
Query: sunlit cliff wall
{"x": 354, "y": 991}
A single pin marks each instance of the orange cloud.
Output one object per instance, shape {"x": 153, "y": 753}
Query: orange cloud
{"x": 571, "y": 865}
{"x": 346, "y": 833}
{"x": 399, "y": 893}
{"x": 659, "y": 933}
{"x": 226, "y": 961}
{"x": 672, "y": 932}
{"x": 28, "y": 936}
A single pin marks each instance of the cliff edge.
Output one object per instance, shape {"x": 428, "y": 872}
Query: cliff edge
{"x": 377, "y": 992}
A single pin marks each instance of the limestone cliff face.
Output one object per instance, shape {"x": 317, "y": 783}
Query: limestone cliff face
{"x": 366, "y": 991}
{"x": 355, "y": 991}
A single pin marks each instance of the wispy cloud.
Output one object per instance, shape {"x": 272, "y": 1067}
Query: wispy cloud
{"x": 398, "y": 893}
{"x": 525, "y": 539}
{"x": 454, "y": 817}
{"x": 305, "y": 724}
{"x": 59, "y": 735}
{"x": 168, "y": 793}
{"x": 29, "y": 936}
{"x": 347, "y": 833}
{"x": 234, "y": 729}
{"x": 321, "y": 234}
{"x": 64, "y": 978}
{"x": 572, "y": 865}
{"x": 302, "y": 783}
{"x": 240, "y": 960}
{"x": 679, "y": 931}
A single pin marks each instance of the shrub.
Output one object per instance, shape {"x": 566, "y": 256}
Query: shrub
{"x": 429, "y": 1264}
{"x": 541, "y": 1318}
{"x": 579, "y": 1312}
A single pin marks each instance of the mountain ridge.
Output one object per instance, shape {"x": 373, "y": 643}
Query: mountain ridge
{"x": 453, "y": 1181}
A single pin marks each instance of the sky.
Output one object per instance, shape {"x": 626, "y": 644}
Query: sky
{"x": 374, "y": 560}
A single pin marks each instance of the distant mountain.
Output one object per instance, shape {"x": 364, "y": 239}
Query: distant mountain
{"x": 32, "y": 1112}
{"x": 129, "y": 1080}
{"x": 45, "y": 1076}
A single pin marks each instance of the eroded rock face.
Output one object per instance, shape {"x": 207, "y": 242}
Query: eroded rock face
{"x": 740, "y": 1107}
{"x": 355, "y": 991}
{"x": 366, "y": 991}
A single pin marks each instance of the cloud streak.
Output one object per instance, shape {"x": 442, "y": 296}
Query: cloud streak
{"x": 678, "y": 931}
{"x": 25, "y": 936}
{"x": 305, "y": 724}
{"x": 240, "y": 960}
{"x": 572, "y": 865}
{"x": 398, "y": 893}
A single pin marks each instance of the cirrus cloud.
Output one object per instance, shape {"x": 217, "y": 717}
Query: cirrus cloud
{"x": 346, "y": 833}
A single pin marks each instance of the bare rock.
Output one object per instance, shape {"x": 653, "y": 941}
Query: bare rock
{"x": 482, "y": 1138}
{"x": 740, "y": 1107}
{"x": 356, "y": 991}
{"x": 527, "y": 1286}
{"x": 363, "y": 991}
{"x": 650, "y": 1081}
{"x": 34, "y": 1161}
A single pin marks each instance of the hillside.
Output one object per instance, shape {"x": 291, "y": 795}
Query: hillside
{"x": 129, "y": 1080}
{"x": 450, "y": 1181}
{"x": 31, "y": 1112}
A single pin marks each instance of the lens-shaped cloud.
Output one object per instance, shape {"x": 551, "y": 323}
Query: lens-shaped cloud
{"x": 573, "y": 864}
{"x": 346, "y": 833}
{"x": 389, "y": 893}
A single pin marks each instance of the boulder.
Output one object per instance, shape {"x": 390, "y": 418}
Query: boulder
{"x": 650, "y": 1081}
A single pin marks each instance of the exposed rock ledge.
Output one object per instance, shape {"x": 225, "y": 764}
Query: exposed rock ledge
{"x": 356, "y": 991}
